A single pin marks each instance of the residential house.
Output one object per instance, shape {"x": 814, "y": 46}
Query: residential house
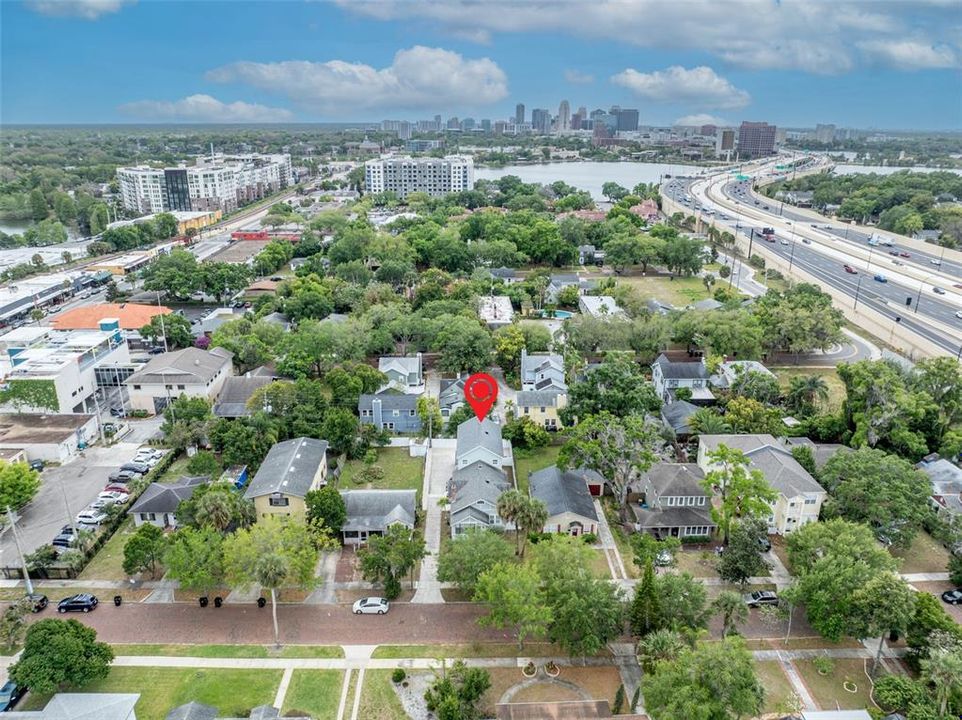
{"x": 946, "y": 481}
{"x": 676, "y": 415}
{"x": 291, "y": 469}
{"x": 571, "y": 509}
{"x": 506, "y": 274}
{"x": 217, "y": 317}
{"x": 800, "y": 198}
{"x": 390, "y": 411}
{"x": 372, "y": 512}
{"x": 669, "y": 501}
{"x": 557, "y": 283}
{"x": 705, "y": 305}
{"x": 669, "y": 375}
{"x": 404, "y": 374}
{"x": 237, "y": 392}
{"x": 190, "y": 372}
{"x": 602, "y": 306}
{"x": 474, "y": 494}
{"x": 479, "y": 441}
{"x": 198, "y": 711}
{"x": 82, "y": 706}
{"x": 589, "y": 254}
{"x": 542, "y": 371}
{"x": 647, "y": 210}
{"x": 496, "y": 311}
{"x": 929, "y": 236}
{"x": 659, "y": 307}
{"x": 822, "y": 452}
{"x": 800, "y": 497}
{"x": 730, "y": 370}
{"x": 542, "y": 406}
{"x": 158, "y": 504}
{"x": 451, "y": 396}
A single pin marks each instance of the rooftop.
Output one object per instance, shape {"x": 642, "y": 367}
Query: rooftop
{"x": 376, "y": 509}
{"x": 781, "y": 470}
{"x": 495, "y": 309}
{"x": 82, "y": 706}
{"x": 473, "y": 434}
{"x": 87, "y": 317}
{"x": 165, "y": 497}
{"x": 600, "y": 305}
{"x": 23, "y": 429}
{"x": 237, "y": 390}
{"x": 565, "y": 491}
{"x": 289, "y": 468}
{"x": 685, "y": 370}
{"x": 187, "y": 366}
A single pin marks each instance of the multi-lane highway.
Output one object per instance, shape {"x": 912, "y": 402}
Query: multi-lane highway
{"x": 911, "y": 291}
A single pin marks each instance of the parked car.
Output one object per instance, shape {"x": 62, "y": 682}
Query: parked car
{"x": 63, "y": 540}
{"x": 136, "y": 468}
{"x": 117, "y": 489}
{"x": 156, "y": 350}
{"x": 113, "y": 497}
{"x": 118, "y": 412}
{"x": 959, "y": 314}
{"x": 905, "y": 254}
{"x": 123, "y": 476}
{"x": 38, "y": 601}
{"x": 84, "y": 602}
{"x": 881, "y": 278}
{"x": 10, "y": 694}
{"x": 90, "y": 517}
{"x": 761, "y": 597}
{"x": 938, "y": 291}
{"x": 952, "y": 597}
{"x": 764, "y": 544}
{"x": 37, "y": 465}
{"x": 371, "y": 606}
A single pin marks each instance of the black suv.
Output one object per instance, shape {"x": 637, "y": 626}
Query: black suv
{"x": 38, "y": 601}
{"x": 84, "y": 602}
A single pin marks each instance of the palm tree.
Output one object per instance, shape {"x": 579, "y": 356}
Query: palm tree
{"x": 216, "y": 510}
{"x": 533, "y": 516}
{"x": 943, "y": 670}
{"x": 805, "y": 392}
{"x": 271, "y": 571}
{"x": 510, "y": 505}
{"x": 659, "y": 645}
{"x": 732, "y": 608}
{"x": 706, "y": 421}
{"x": 708, "y": 279}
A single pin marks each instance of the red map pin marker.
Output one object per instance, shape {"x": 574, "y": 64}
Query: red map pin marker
{"x": 481, "y": 391}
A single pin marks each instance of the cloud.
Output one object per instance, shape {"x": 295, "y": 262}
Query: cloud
{"x": 911, "y": 54}
{"x": 85, "y": 9}
{"x": 700, "y": 87}
{"x": 701, "y": 119}
{"x": 817, "y": 37}
{"x": 204, "y": 108}
{"x": 576, "y": 77}
{"x": 419, "y": 77}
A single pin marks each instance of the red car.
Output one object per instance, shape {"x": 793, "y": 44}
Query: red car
{"x": 905, "y": 255}
{"x": 850, "y": 270}
{"x": 113, "y": 487}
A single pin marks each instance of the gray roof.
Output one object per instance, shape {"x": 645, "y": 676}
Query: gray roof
{"x": 477, "y": 470}
{"x": 538, "y": 398}
{"x": 165, "y": 497}
{"x": 657, "y": 306}
{"x": 452, "y": 392}
{"x": 564, "y": 491}
{"x": 676, "y": 415}
{"x": 376, "y": 509}
{"x": 669, "y": 517}
{"x": 504, "y": 272}
{"x": 681, "y": 370}
{"x": 83, "y": 706}
{"x": 389, "y": 401}
{"x": 193, "y": 711}
{"x": 781, "y": 470}
{"x": 478, "y": 488}
{"x": 946, "y": 481}
{"x": 706, "y": 304}
{"x": 237, "y": 390}
{"x": 187, "y": 366}
{"x": 289, "y": 468}
{"x": 677, "y": 479}
{"x": 405, "y": 365}
{"x": 472, "y": 434}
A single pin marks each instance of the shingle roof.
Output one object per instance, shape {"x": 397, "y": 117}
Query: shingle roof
{"x": 132, "y": 316}
{"x": 538, "y": 398}
{"x": 672, "y": 516}
{"x": 165, "y": 497}
{"x": 389, "y": 401}
{"x": 504, "y": 272}
{"x": 452, "y": 392}
{"x": 779, "y": 467}
{"x": 376, "y": 509}
{"x": 676, "y": 414}
{"x": 562, "y": 492}
{"x": 677, "y": 479}
{"x": 237, "y": 390}
{"x": 187, "y": 366}
{"x": 289, "y": 468}
{"x": 86, "y": 706}
{"x": 478, "y": 488}
{"x": 681, "y": 370}
{"x": 193, "y": 711}
{"x": 472, "y": 434}
{"x": 403, "y": 365}
{"x": 477, "y": 470}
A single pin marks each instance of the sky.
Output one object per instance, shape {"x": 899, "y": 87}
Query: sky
{"x": 888, "y": 64}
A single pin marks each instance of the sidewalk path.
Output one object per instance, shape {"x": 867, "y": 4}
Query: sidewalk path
{"x": 615, "y": 562}
{"x": 438, "y": 467}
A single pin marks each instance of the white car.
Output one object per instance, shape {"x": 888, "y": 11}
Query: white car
{"x": 113, "y": 496}
{"x": 959, "y": 314}
{"x": 371, "y": 606}
{"x": 90, "y": 517}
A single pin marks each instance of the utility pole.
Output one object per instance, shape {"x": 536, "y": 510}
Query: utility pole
{"x": 66, "y": 507}
{"x": 16, "y": 538}
{"x": 163, "y": 330}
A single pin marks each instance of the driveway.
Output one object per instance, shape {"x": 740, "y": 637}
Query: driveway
{"x": 64, "y": 491}
{"x": 439, "y": 466}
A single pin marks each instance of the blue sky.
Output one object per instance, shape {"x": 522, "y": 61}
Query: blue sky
{"x": 855, "y": 63}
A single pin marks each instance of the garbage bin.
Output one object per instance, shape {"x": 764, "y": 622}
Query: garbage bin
{"x": 218, "y": 601}
{"x": 261, "y": 602}
{"x": 203, "y": 601}
{"x": 117, "y": 600}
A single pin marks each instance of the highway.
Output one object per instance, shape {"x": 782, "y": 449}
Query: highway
{"x": 824, "y": 255}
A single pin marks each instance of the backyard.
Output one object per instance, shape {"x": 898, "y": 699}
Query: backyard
{"x": 836, "y": 388}
{"x": 528, "y": 461}
{"x": 401, "y": 471}
{"x": 925, "y": 555}
{"x": 679, "y": 292}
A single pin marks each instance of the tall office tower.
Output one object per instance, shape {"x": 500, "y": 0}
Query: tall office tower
{"x": 564, "y": 116}
{"x": 756, "y": 139}
{"x": 519, "y": 113}
{"x": 627, "y": 119}
{"x": 540, "y": 121}
{"x": 486, "y": 124}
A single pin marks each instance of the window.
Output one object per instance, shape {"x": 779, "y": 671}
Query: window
{"x": 542, "y": 409}
{"x": 671, "y": 501}
{"x": 701, "y": 500}
{"x": 136, "y": 387}
{"x": 412, "y": 413}
{"x": 396, "y": 413}
{"x": 180, "y": 387}
{"x": 279, "y": 501}
{"x": 151, "y": 516}
{"x": 810, "y": 501}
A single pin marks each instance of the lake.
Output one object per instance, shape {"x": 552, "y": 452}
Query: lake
{"x": 589, "y": 176}
{"x": 18, "y": 228}
{"x": 843, "y": 169}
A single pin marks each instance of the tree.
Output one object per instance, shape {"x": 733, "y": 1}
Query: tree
{"x": 805, "y": 393}
{"x": 195, "y": 558}
{"x": 273, "y": 553}
{"x": 882, "y": 490}
{"x": 528, "y": 515}
{"x": 616, "y": 386}
{"x": 660, "y": 645}
{"x": 683, "y": 256}
{"x": 326, "y": 508}
{"x": 464, "y": 345}
{"x": 930, "y": 622}
{"x": 223, "y": 280}
{"x": 746, "y": 415}
{"x": 645, "y": 614}
{"x": 620, "y": 449}
{"x": 18, "y": 485}
{"x": 613, "y": 191}
{"x": 456, "y": 693}
{"x": 798, "y": 320}
{"x": 885, "y": 603}
{"x": 144, "y": 550}
{"x": 732, "y": 608}
{"x": 204, "y": 462}
{"x": 525, "y": 433}
{"x": 745, "y": 493}
{"x": 647, "y": 547}
{"x": 61, "y": 654}
{"x": 943, "y": 671}
{"x": 38, "y": 205}
{"x": 176, "y": 274}
{"x": 429, "y": 412}
{"x": 515, "y": 598}
{"x": 742, "y": 558}
{"x": 705, "y": 421}
{"x": 684, "y": 601}
{"x": 13, "y": 623}
{"x": 586, "y": 613}
{"x": 758, "y": 386}
{"x": 470, "y": 554}
{"x": 509, "y": 341}
{"x": 389, "y": 557}
{"x": 712, "y": 681}
{"x": 941, "y": 379}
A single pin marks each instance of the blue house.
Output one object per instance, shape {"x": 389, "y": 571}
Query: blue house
{"x": 388, "y": 411}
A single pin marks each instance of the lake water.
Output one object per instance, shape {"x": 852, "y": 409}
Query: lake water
{"x": 843, "y": 169}
{"x": 18, "y": 228}
{"x": 589, "y": 176}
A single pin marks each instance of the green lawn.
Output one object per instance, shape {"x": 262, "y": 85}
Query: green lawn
{"x": 778, "y": 690}
{"x": 233, "y": 692}
{"x": 828, "y": 690}
{"x": 177, "y": 469}
{"x": 378, "y": 698}
{"x": 401, "y": 471}
{"x": 474, "y": 650}
{"x": 107, "y": 564}
{"x": 836, "y": 388}
{"x": 231, "y": 651}
{"x": 924, "y": 556}
{"x": 315, "y": 693}
{"x": 528, "y": 461}
{"x": 679, "y": 292}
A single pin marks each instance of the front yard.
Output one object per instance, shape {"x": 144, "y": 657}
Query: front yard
{"x": 107, "y": 564}
{"x": 847, "y": 684}
{"x": 315, "y": 693}
{"x": 925, "y": 555}
{"x": 779, "y": 695}
{"x": 401, "y": 471}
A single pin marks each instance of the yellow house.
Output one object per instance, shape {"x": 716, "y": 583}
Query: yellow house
{"x": 542, "y": 406}
{"x": 291, "y": 469}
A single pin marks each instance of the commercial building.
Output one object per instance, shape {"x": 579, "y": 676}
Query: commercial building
{"x": 564, "y": 116}
{"x": 189, "y": 372}
{"x": 724, "y": 141}
{"x": 434, "y": 176}
{"x": 756, "y": 139}
{"x": 541, "y": 121}
{"x": 218, "y": 182}
{"x": 519, "y": 113}
{"x": 627, "y": 120}
{"x": 51, "y": 438}
{"x": 20, "y": 297}
{"x": 825, "y": 133}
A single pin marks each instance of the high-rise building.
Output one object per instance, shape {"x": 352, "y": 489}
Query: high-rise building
{"x": 486, "y": 124}
{"x": 564, "y": 116}
{"x": 434, "y": 176}
{"x": 825, "y": 133}
{"x": 707, "y": 130}
{"x": 519, "y": 113}
{"x": 541, "y": 121}
{"x": 627, "y": 119}
{"x": 756, "y": 139}
{"x": 724, "y": 141}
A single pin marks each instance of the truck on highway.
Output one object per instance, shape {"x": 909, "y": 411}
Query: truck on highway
{"x": 875, "y": 240}
{"x": 768, "y": 234}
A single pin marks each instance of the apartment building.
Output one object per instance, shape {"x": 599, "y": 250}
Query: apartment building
{"x": 756, "y": 139}
{"x": 434, "y": 176}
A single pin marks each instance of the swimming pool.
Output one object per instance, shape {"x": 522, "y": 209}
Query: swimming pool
{"x": 562, "y": 314}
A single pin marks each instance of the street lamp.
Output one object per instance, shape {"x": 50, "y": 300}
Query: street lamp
{"x": 918, "y": 298}
{"x": 857, "y": 288}
{"x": 791, "y": 259}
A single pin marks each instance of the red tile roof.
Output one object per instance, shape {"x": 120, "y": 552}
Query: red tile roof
{"x": 88, "y": 317}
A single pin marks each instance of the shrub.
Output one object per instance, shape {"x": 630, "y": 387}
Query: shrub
{"x": 823, "y": 665}
{"x": 695, "y": 539}
{"x": 398, "y": 675}
{"x": 898, "y": 692}
{"x": 590, "y": 538}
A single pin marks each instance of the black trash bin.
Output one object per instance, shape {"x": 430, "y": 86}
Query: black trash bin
{"x": 218, "y": 601}
{"x": 203, "y": 601}
{"x": 261, "y": 602}
{"x": 117, "y": 600}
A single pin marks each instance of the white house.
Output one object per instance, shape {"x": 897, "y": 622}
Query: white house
{"x": 190, "y": 372}
{"x": 496, "y": 311}
{"x": 404, "y": 374}
{"x": 731, "y": 370}
{"x": 669, "y": 375}
{"x": 542, "y": 371}
{"x": 603, "y": 306}
{"x": 479, "y": 441}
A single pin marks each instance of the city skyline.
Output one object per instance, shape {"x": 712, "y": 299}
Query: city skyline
{"x": 83, "y": 61}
